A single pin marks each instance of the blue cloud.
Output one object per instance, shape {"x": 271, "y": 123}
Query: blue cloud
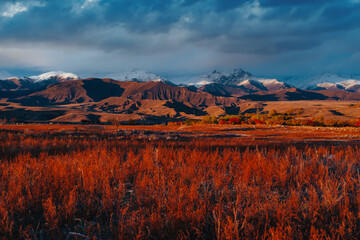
{"x": 247, "y": 27}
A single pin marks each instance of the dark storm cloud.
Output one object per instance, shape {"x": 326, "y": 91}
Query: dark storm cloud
{"x": 262, "y": 28}
{"x": 72, "y": 20}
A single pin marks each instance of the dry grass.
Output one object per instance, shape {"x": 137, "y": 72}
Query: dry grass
{"x": 57, "y": 184}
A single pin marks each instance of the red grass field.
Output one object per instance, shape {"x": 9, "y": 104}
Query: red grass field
{"x": 196, "y": 182}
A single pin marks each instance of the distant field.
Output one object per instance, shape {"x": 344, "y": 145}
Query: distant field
{"x": 156, "y": 111}
{"x": 179, "y": 182}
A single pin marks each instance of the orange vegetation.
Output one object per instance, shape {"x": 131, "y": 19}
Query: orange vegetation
{"x": 92, "y": 184}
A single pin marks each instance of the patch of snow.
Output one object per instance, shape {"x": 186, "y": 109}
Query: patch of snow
{"x": 201, "y": 83}
{"x": 252, "y": 84}
{"x": 273, "y": 84}
{"x": 350, "y": 83}
{"x": 160, "y": 80}
{"x": 327, "y": 85}
{"x": 263, "y": 84}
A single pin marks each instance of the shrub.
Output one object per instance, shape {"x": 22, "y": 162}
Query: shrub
{"x": 57, "y": 186}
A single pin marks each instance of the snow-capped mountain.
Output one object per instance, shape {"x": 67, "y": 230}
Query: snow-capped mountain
{"x": 35, "y": 82}
{"x": 228, "y": 78}
{"x": 54, "y": 75}
{"x": 274, "y": 84}
{"x": 139, "y": 76}
{"x": 313, "y": 81}
{"x": 327, "y": 86}
{"x": 333, "y": 82}
{"x": 243, "y": 79}
{"x": 351, "y": 85}
{"x": 252, "y": 84}
{"x": 136, "y": 75}
{"x": 261, "y": 84}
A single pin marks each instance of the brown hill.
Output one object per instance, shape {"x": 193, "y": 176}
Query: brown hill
{"x": 341, "y": 95}
{"x": 106, "y": 99}
{"x": 6, "y": 85}
{"x": 291, "y": 94}
{"x": 218, "y": 89}
{"x": 23, "y": 84}
{"x": 160, "y": 99}
{"x": 96, "y": 90}
{"x": 295, "y": 94}
{"x": 75, "y": 91}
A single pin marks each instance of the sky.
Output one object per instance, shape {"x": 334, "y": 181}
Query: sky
{"x": 180, "y": 37}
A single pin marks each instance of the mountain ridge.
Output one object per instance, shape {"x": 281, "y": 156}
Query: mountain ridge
{"x": 106, "y": 99}
{"x": 236, "y": 77}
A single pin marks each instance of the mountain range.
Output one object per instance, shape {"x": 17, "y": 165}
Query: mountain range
{"x": 35, "y": 82}
{"x": 237, "y": 78}
{"x": 66, "y": 97}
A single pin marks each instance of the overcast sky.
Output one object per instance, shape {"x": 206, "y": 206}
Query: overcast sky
{"x": 265, "y": 37}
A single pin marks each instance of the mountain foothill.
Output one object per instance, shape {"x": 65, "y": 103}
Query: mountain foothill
{"x": 147, "y": 97}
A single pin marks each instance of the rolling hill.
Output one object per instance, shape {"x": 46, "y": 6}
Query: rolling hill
{"x": 64, "y": 97}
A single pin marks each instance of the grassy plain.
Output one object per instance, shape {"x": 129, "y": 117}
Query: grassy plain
{"x": 179, "y": 182}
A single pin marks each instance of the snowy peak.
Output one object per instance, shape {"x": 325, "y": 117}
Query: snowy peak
{"x": 333, "y": 82}
{"x": 253, "y": 85}
{"x": 36, "y": 82}
{"x": 261, "y": 84}
{"x": 228, "y": 78}
{"x": 349, "y": 84}
{"x": 243, "y": 79}
{"x": 58, "y": 76}
{"x": 274, "y": 84}
{"x": 136, "y": 75}
{"x": 323, "y": 78}
{"x": 139, "y": 76}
